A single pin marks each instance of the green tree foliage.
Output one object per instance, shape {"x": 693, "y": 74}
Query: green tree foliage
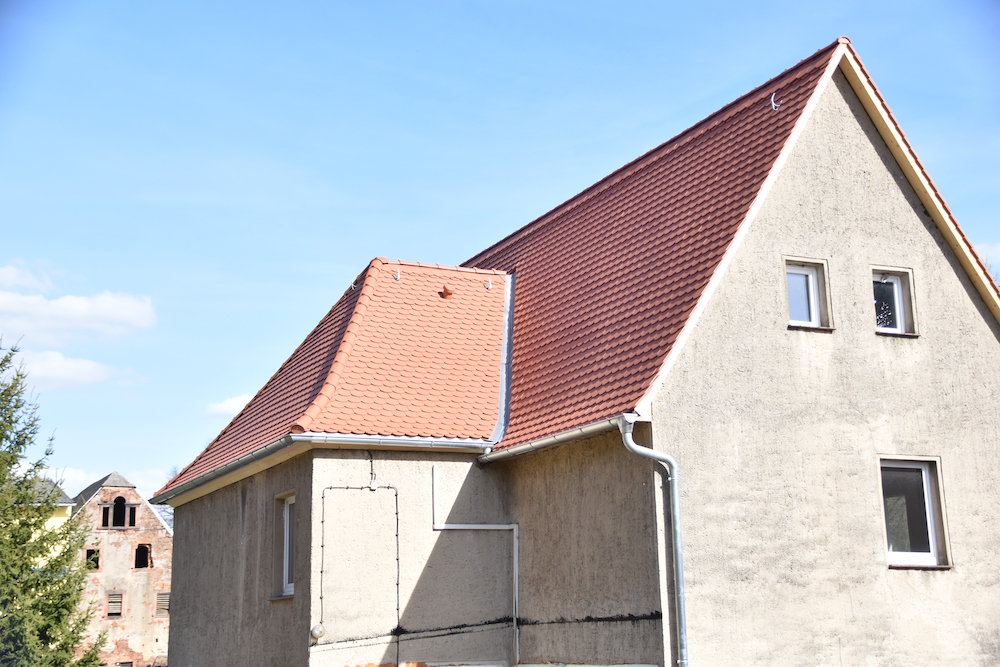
{"x": 41, "y": 573}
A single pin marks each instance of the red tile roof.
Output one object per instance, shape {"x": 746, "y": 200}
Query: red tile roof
{"x": 605, "y": 284}
{"x": 607, "y": 280}
{"x": 410, "y": 350}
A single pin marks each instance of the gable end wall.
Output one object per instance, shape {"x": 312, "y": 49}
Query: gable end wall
{"x": 777, "y": 432}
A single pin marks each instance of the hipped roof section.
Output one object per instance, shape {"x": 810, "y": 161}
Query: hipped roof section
{"x": 607, "y": 280}
{"x": 410, "y": 350}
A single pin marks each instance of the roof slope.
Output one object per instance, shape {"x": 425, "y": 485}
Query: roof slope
{"x": 606, "y": 281}
{"x": 113, "y": 479}
{"x": 410, "y": 350}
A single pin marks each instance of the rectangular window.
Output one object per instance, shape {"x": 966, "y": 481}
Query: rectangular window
{"x": 914, "y": 524}
{"x": 808, "y": 304}
{"x": 93, "y": 559}
{"x": 105, "y": 516}
{"x": 893, "y": 301}
{"x": 131, "y": 515}
{"x": 114, "y": 605}
{"x": 288, "y": 546}
{"x": 162, "y": 604}
{"x": 144, "y": 556}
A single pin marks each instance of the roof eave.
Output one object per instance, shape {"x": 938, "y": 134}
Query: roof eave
{"x": 292, "y": 445}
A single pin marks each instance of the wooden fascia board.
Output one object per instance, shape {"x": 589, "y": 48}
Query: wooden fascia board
{"x": 919, "y": 180}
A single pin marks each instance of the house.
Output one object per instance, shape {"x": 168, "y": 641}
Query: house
{"x": 128, "y": 549}
{"x": 63, "y": 504}
{"x": 734, "y": 404}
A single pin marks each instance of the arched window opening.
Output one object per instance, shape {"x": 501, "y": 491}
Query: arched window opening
{"x": 118, "y": 515}
{"x": 143, "y": 556}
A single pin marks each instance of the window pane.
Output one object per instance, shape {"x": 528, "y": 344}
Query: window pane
{"x": 885, "y": 305}
{"x": 290, "y": 518}
{"x": 905, "y": 510}
{"x": 798, "y": 297}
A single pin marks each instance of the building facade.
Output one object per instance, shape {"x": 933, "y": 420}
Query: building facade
{"x": 129, "y": 550}
{"x": 735, "y": 404}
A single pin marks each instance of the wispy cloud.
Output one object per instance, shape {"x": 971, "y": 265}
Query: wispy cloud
{"x": 49, "y": 369}
{"x": 43, "y": 321}
{"x": 229, "y": 407}
{"x": 16, "y": 277}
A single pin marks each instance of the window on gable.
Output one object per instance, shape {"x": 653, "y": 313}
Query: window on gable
{"x": 284, "y": 566}
{"x": 114, "y": 605}
{"x": 914, "y": 523}
{"x": 118, "y": 513}
{"x": 893, "y": 302}
{"x": 143, "y": 556}
{"x": 808, "y": 305}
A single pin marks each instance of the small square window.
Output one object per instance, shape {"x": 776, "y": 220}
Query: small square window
{"x": 893, "y": 302}
{"x": 914, "y": 525}
{"x": 163, "y": 604}
{"x": 808, "y": 304}
{"x": 93, "y": 559}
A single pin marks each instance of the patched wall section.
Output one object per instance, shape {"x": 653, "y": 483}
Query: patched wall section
{"x": 589, "y": 586}
{"x": 454, "y": 587}
{"x": 227, "y": 592}
{"x": 778, "y": 432}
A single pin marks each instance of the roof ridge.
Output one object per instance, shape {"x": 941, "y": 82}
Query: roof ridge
{"x": 443, "y": 267}
{"x": 684, "y": 136}
{"x": 301, "y": 425}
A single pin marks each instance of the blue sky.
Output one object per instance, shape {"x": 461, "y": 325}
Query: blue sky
{"x": 187, "y": 187}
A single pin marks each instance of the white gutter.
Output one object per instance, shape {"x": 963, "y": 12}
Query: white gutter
{"x": 512, "y": 527}
{"x": 549, "y": 441}
{"x": 626, "y": 423}
{"x": 332, "y": 441}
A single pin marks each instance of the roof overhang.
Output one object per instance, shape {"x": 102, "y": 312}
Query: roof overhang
{"x": 292, "y": 445}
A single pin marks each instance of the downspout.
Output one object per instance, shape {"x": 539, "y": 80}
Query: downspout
{"x": 626, "y": 423}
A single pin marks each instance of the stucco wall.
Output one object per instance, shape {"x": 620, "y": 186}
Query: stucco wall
{"x": 589, "y": 587}
{"x": 455, "y": 587}
{"x": 224, "y": 583}
{"x": 778, "y": 432}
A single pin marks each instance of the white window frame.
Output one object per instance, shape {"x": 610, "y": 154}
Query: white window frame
{"x": 814, "y": 283}
{"x": 287, "y": 546}
{"x": 900, "y": 305}
{"x": 932, "y": 510}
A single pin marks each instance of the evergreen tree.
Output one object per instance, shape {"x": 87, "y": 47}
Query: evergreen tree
{"x": 41, "y": 573}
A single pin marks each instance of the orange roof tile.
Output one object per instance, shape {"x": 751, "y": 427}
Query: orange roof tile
{"x": 607, "y": 280}
{"x": 605, "y": 284}
{"x": 411, "y": 350}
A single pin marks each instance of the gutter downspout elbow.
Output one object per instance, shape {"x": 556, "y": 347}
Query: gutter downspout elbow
{"x": 626, "y": 423}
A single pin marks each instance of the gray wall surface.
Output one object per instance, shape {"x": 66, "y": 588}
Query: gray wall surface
{"x": 589, "y": 586}
{"x": 222, "y": 606}
{"x": 778, "y": 432}
{"x": 455, "y": 587}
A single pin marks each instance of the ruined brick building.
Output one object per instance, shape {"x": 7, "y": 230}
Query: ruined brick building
{"x": 129, "y": 550}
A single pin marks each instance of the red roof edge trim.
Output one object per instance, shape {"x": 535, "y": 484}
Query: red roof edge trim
{"x": 704, "y": 125}
{"x": 301, "y": 425}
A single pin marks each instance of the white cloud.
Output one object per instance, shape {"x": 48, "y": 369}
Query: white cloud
{"x": 52, "y": 370}
{"x": 230, "y": 406}
{"x": 16, "y": 277}
{"x": 45, "y": 321}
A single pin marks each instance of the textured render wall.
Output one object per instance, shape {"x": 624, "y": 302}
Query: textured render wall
{"x": 138, "y": 635}
{"x": 589, "y": 587}
{"x": 778, "y": 432}
{"x": 224, "y": 577}
{"x": 455, "y": 587}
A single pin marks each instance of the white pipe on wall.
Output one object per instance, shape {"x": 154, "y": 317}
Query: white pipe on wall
{"x": 626, "y": 424}
{"x": 512, "y": 527}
